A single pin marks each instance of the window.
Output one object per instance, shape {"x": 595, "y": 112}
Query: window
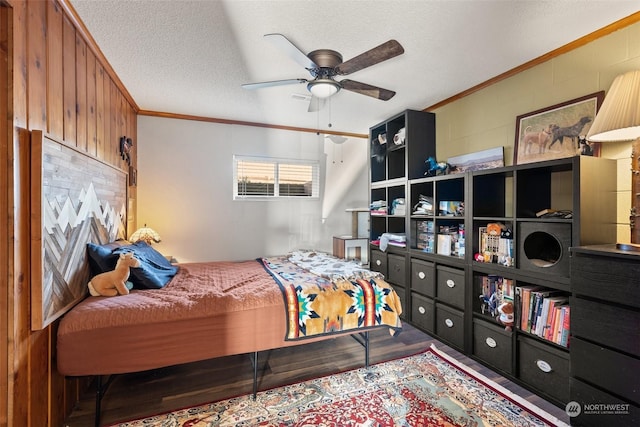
{"x": 263, "y": 177}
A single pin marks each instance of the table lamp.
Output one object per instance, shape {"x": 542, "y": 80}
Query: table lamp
{"x": 146, "y": 235}
{"x": 619, "y": 120}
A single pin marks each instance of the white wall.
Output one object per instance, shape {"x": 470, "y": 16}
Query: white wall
{"x": 185, "y": 190}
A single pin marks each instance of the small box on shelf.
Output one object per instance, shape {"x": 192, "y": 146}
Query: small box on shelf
{"x": 450, "y": 208}
{"x": 426, "y": 242}
{"x": 451, "y": 240}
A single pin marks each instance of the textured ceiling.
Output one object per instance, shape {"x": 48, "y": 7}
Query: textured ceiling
{"x": 191, "y": 57}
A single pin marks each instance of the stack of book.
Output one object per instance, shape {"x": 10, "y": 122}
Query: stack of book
{"x": 545, "y": 313}
{"x": 424, "y": 205}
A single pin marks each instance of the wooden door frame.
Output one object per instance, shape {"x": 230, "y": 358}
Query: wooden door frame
{"x": 6, "y": 207}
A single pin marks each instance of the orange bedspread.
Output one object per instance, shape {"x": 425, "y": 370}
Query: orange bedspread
{"x": 198, "y": 290}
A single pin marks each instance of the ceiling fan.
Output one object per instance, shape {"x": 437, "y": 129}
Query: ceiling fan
{"x": 325, "y": 64}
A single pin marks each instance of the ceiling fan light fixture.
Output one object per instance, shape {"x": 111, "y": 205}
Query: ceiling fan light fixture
{"x": 323, "y": 88}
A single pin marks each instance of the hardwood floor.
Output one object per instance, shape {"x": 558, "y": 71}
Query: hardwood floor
{"x": 147, "y": 393}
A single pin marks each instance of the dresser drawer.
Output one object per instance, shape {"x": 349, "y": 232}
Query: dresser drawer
{"x": 450, "y": 325}
{"x": 396, "y": 269}
{"x": 423, "y": 277}
{"x": 606, "y": 324}
{"x": 379, "y": 262}
{"x": 423, "y": 312}
{"x": 607, "y": 278}
{"x": 627, "y": 415}
{"x": 614, "y": 370}
{"x": 544, "y": 367}
{"x": 450, "y": 285}
{"x": 492, "y": 344}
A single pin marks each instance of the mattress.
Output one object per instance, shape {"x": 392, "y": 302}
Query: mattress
{"x": 207, "y": 310}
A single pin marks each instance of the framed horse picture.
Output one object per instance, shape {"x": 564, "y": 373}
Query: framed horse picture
{"x": 558, "y": 131}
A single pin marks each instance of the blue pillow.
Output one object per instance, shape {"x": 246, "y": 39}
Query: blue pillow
{"x": 101, "y": 257}
{"x": 155, "y": 270}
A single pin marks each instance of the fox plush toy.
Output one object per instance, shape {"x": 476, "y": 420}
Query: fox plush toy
{"x": 112, "y": 283}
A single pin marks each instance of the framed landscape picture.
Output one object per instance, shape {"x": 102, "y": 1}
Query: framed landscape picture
{"x": 558, "y": 131}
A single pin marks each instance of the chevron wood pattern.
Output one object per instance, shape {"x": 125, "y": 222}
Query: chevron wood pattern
{"x": 76, "y": 199}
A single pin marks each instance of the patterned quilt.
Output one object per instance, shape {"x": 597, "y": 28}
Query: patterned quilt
{"x": 324, "y": 295}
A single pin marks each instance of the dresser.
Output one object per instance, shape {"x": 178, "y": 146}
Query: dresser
{"x": 605, "y": 336}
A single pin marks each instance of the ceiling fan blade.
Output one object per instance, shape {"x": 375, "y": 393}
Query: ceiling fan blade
{"x": 365, "y": 89}
{"x": 371, "y": 57}
{"x": 316, "y": 104}
{"x": 273, "y": 83}
{"x": 285, "y": 45}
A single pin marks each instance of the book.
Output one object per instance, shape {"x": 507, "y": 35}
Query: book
{"x": 564, "y": 340}
{"x": 560, "y": 323}
{"x": 544, "y": 315}
{"x": 507, "y": 290}
{"x": 553, "y": 330}
{"x": 541, "y": 311}
{"x": 544, "y": 212}
{"x": 551, "y": 313}
{"x": 525, "y": 305}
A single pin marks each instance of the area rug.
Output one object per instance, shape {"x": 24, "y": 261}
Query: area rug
{"x": 428, "y": 389}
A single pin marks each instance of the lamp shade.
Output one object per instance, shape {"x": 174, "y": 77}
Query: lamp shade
{"x": 146, "y": 235}
{"x": 619, "y": 115}
{"x": 323, "y": 88}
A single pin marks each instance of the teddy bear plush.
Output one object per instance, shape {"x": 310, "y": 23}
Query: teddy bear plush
{"x": 506, "y": 316}
{"x": 112, "y": 283}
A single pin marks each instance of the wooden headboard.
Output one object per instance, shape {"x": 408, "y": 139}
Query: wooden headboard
{"x": 75, "y": 199}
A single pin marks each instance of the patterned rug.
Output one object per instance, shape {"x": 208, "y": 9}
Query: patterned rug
{"x": 428, "y": 389}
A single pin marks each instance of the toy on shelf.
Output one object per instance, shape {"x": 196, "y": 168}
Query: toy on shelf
{"x": 506, "y": 315}
{"x": 435, "y": 168}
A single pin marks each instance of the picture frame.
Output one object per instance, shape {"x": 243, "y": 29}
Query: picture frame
{"x": 479, "y": 160}
{"x": 557, "y": 131}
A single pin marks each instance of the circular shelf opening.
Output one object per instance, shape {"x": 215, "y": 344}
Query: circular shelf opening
{"x": 542, "y": 249}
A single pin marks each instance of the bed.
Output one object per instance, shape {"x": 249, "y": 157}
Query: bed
{"x": 175, "y": 314}
{"x": 215, "y": 309}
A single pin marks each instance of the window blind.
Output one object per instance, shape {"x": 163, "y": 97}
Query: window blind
{"x": 256, "y": 177}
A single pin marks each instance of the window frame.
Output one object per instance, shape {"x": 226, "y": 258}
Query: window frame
{"x": 277, "y": 162}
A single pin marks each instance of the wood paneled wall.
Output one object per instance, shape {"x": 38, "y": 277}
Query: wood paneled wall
{"x": 57, "y": 81}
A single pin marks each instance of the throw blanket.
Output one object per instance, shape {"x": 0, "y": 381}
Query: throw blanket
{"x": 317, "y": 305}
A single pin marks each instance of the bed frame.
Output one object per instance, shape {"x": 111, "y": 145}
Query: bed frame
{"x": 102, "y": 386}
